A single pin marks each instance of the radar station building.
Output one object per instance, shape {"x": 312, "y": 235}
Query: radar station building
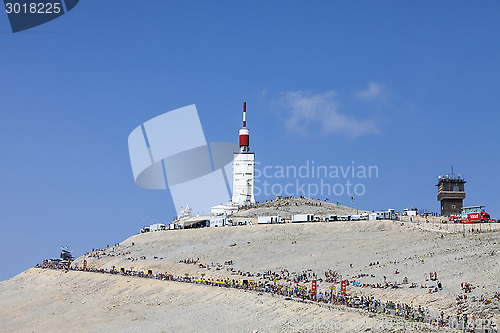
{"x": 451, "y": 193}
{"x": 243, "y": 168}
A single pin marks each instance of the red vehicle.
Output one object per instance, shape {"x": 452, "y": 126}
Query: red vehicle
{"x": 477, "y": 217}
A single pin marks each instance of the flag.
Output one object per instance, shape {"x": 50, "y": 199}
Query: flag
{"x": 338, "y": 204}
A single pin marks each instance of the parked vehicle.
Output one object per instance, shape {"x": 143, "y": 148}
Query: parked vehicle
{"x": 157, "y": 227}
{"x": 389, "y": 214}
{"x": 270, "y": 219}
{"x": 246, "y": 222}
{"x": 410, "y": 212}
{"x": 220, "y": 221}
{"x": 477, "y": 217}
{"x": 305, "y": 218}
{"x": 174, "y": 226}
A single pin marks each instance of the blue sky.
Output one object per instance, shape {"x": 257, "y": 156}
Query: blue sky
{"x": 411, "y": 87}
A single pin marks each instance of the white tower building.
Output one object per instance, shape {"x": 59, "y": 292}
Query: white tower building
{"x": 243, "y": 168}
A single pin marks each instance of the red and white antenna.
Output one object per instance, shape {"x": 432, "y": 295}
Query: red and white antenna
{"x": 244, "y": 114}
{"x": 244, "y": 132}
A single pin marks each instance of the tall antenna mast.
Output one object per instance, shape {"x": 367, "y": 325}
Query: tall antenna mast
{"x": 244, "y": 132}
{"x": 244, "y": 114}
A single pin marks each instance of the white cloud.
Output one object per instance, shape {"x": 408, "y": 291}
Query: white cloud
{"x": 373, "y": 90}
{"x": 310, "y": 113}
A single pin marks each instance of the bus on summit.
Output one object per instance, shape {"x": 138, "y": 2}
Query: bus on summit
{"x": 477, "y": 217}
{"x": 475, "y": 214}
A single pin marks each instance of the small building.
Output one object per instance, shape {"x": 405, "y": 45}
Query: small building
{"x": 223, "y": 210}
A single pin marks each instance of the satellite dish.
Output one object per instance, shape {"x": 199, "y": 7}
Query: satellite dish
{"x": 440, "y": 177}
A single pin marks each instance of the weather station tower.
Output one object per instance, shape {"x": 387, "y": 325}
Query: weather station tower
{"x": 243, "y": 168}
{"x": 451, "y": 193}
